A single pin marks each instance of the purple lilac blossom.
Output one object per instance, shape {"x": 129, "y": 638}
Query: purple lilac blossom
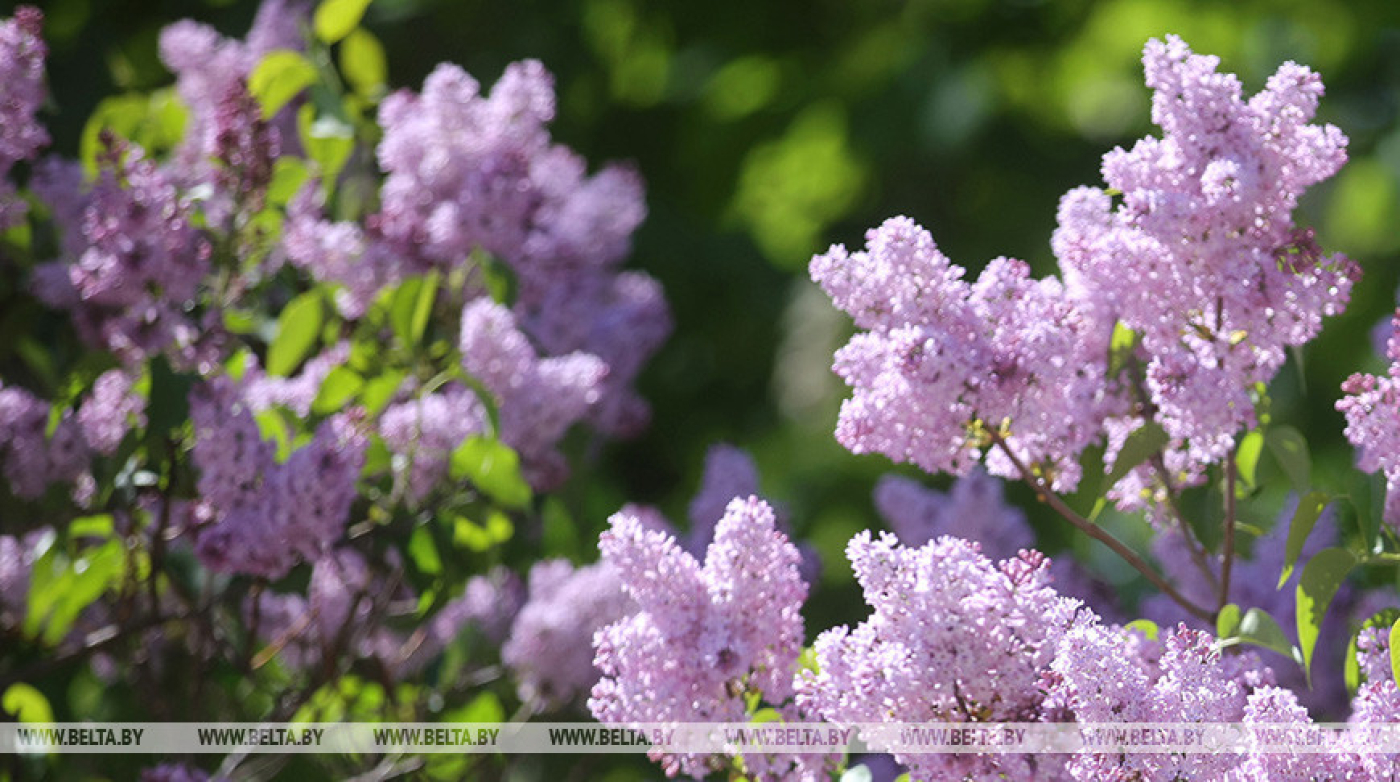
{"x": 1372, "y": 410}
{"x": 209, "y": 68}
{"x": 1199, "y": 254}
{"x": 108, "y": 414}
{"x": 550, "y": 645}
{"x": 22, "y": 53}
{"x": 425, "y": 431}
{"x": 174, "y": 772}
{"x": 952, "y": 638}
{"x": 729, "y": 472}
{"x": 266, "y": 517}
{"x": 706, "y": 634}
{"x": 539, "y": 397}
{"x": 133, "y": 259}
{"x": 33, "y": 459}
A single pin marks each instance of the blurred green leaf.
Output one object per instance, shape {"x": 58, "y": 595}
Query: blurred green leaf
{"x": 335, "y": 19}
{"x": 493, "y": 468}
{"x": 339, "y": 387}
{"x": 26, "y": 704}
{"x": 1290, "y": 448}
{"x": 288, "y": 175}
{"x": 411, "y": 307}
{"x": 379, "y": 391}
{"x": 278, "y": 77}
{"x": 1149, "y": 628}
{"x": 1227, "y": 621}
{"x": 363, "y": 62}
{"x": 1247, "y": 457}
{"x": 298, "y": 327}
{"x": 328, "y": 142}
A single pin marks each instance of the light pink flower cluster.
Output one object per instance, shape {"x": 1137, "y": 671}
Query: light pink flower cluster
{"x": 1372, "y": 410}
{"x": 22, "y": 52}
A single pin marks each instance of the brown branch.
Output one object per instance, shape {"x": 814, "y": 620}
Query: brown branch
{"x": 1100, "y": 534}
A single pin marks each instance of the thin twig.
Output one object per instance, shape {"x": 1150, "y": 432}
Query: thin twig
{"x": 1100, "y": 534}
{"x": 1198, "y": 554}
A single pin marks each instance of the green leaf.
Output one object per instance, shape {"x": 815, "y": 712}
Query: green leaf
{"x": 156, "y": 122}
{"x": 327, "y": 141}
{"x": 1247, "y": 457}
{"x": 297, "y": 329}
{"x": 1321, "y": 577}
{"x": 339, "y": 387}
{"x": 559, "y": 537}
{"x": 486, "y": 707}
{"x": 423, "y": 552}
{"x": 1227, "y": 622}
{"x": 411, "y": 307}
{"x": 493, "y": 468}
{"x": 1120, "y": 348}
{"x": 240, "y": 321}
{"x": 1351, "y": 668}
{"x": 91, "y": 527}
{"x": 335, "y": 19}
{"x": 61, "y": 589}
{"x": 857, "y": 774}
{"x": 1304, "y": 519}
{"x": 1145, "y": 441}
{"x": 497, "y": 529}
{"x": 1290, "y": 448}
{"x": 279, "y": 77}
{"x": 288, "y": 176}
{"x": 26, "y": 704}
{"x": 1147, "y": 627}
{"x": 1395, "y": 651}
{"x": 379, "y": 391}
{"x": 363, "y": 63}
{"x": 1259, "y": 628}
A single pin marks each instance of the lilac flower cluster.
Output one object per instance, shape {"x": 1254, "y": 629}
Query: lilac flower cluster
{"x": 211, "y": 72}
{"x": 468, "y": 172}
{"x": 133, "y": 263}
{"x": 1199, "y": 258}
{"x": 33, "y": 458}
{"x": 942, "y": 358}
{"x": 549, "y": 646}
{"x": 707, "y": 634}
{"x": 952, "y": 639}
{"x": 264, "y": 517}
{"x": 22, "y": 52}
{"x": 1372, "y": 410}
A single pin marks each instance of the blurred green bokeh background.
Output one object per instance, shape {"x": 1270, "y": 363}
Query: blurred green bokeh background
{"x": 767, "y": 131}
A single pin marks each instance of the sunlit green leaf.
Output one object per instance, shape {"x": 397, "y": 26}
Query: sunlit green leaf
{"x": 339, "y": 387}
{"x": 493, "y": 468}
{"x": 279, "y": 77}
{"x": 363, "y": 63}
{"x": 1247, "y": 457}
{"x": 1321, "y": 577}
{"x": 297, "y": 330}
{"x": 335, "y": 19}
{"x": 26, "y": 704}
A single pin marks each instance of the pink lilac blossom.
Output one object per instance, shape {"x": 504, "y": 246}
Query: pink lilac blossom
{"x": 295, "y": 393}
{"x": 550, "y": 645}
{"x": 426, "y": 430}
{"x": 134, "y": 260}
{"x": 1199, "y": 255}
{"x": 539, "y": 397}
{"x": 269, "y": 516}
{"x": 245, "y": 147}
{"x": 952, "y": 638}
{"x": 706, "y": 634}
{"x": 939, "y": 355}
{"x": 1372, "y": 410}
{"x": 174, "y": 772}
{"x": 22, "y": 53}
{"x": 1276, "y": 706}
{"x": 17, "y": 555}
{"x": 338, "y": 252}
{"x": 729, "y": 472}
